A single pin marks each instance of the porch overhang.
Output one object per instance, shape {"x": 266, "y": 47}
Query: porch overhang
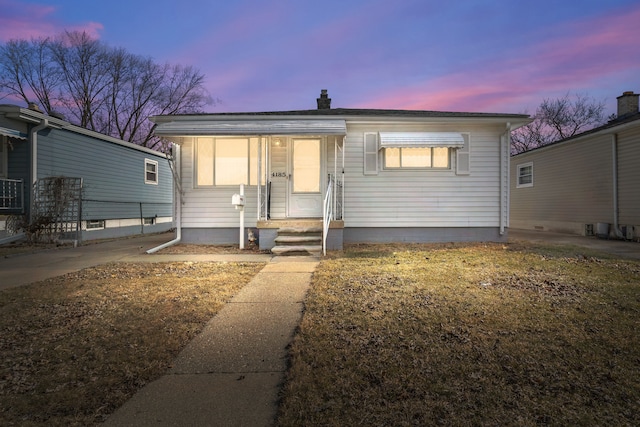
{"x": 12, "y": 133}
{"x": 252, "y": 128}
{"x": 421, "y": 139}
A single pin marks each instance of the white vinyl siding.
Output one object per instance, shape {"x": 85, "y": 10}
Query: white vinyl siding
{"x": 424, "y": 197}
{"x": 463, "y": 157}
{"x": 210, "y": 206}
{"x": 374, "y": 197}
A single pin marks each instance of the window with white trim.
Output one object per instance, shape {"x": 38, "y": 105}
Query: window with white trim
{"x": 420, "y": 157}
{"x": 525, "y": 175}
{"x": 227, "y": 161}
{"x": 371, "y": 153}
{"x": 150, "y": 171}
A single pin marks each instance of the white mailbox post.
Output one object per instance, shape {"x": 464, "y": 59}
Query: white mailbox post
{"x": 238, "y": 201}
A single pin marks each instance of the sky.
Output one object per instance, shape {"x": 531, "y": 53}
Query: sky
{"x": 500, "y": 56}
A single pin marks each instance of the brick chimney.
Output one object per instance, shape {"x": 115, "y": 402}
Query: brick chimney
{"x": 627, "y": 104}
{"x": 324, "y": 102}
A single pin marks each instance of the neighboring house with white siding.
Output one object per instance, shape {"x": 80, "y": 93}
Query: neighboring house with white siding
{"x": 126, "y": 189}
{"x": 362, "y": 175}
{"x": 588, "y": 184}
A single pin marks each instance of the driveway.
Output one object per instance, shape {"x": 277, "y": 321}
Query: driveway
{"x": 614, "y": 247}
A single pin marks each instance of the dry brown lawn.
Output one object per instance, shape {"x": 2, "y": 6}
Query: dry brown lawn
{"x": 76, "y": 347}
{"x": 457, "y": 334}
{"x": 491, "y": 335}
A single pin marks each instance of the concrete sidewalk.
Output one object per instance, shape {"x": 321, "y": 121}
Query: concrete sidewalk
{"x": 231, "y": 374}
{"x": 22, "y": 269}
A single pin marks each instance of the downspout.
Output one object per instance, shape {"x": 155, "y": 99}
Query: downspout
{"x": 34, "y": 158}
{"x": 505, "y": 141}
{"x": 178, "y": 203}
{"x": 614, "y": 155}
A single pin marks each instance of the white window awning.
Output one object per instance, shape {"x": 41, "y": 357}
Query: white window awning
{"x": 421, "y": 139}
{"x": 252, "y": 127}
{"x": 12, "y": 133}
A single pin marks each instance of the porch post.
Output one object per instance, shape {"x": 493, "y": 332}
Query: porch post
{"x": 344, "y": 140}
{"x": 267, "y": 153}
{"x": 259, "y": 176}
{"x": 335, "y": 173}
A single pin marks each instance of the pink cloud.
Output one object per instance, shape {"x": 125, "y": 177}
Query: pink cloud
{"x": 20, "y": 21}
{"x": 573, "y": 57}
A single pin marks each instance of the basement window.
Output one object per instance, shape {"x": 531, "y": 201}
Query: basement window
{"x": 95, "y": 224}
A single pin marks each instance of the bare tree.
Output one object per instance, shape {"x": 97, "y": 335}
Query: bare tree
{"x": 28, "y": 69}
{"x": 84, "y": 65}
{"x": 558, "y": 119}
{"x": 98, "y": 87}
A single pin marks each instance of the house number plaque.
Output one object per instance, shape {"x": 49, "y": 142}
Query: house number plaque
{"x": 278, "y": 174}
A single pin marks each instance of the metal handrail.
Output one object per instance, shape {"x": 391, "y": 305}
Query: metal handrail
{"x": 327, "y": 214}
{"x": 12, "y": 194}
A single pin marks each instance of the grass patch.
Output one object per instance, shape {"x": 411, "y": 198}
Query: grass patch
{"x": 459, "y": 334}
{"x": 75, "y": 348}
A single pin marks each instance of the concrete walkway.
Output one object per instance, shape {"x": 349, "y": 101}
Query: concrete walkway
{"x": 22, "y": 269}
{"x": 231, "y": 374}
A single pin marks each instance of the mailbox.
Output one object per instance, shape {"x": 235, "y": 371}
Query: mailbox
{"x": 238, "y": 200}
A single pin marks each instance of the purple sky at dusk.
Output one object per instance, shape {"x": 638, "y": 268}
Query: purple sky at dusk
{"x": 468, "y": 55}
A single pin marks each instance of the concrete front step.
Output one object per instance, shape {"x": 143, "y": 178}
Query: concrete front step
{"x": 297, "y": 250}
{"x": 299, "y": 230}
{"x": 302, "y": 239}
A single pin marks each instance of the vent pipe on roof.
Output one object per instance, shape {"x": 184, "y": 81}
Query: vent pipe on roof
{"x": 627, "y": 104}
{"x": 33, "y": 106}
{"x": 324, "y": 102}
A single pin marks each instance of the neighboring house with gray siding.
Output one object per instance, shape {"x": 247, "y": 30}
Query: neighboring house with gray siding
{"x": 587, "y": 184}
{"x": 126, "y": 189}
{"x": 363, "y": 175}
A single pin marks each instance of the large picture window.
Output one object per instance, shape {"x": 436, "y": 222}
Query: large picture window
{"x": 419, "y": 157}
{"x": 227, "y": 161}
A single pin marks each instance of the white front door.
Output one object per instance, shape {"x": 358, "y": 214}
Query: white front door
{"x": 305, "y": 185}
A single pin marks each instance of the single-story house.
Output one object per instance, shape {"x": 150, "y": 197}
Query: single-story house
{"x": 350, "y": 175}
{"x": 125, "y": 189}
{"x": 588, "y": 184}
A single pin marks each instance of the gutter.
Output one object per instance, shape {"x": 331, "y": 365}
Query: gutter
{"x": 177, "y": 197}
